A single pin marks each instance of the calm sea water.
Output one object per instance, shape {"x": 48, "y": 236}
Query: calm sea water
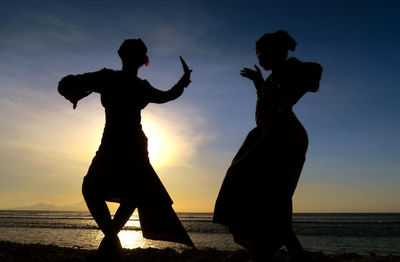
{"x": 330, "y": 233}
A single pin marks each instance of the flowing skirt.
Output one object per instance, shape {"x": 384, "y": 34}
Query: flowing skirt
{"x": 121, "y": 172}
{"x": 255, "y": 199}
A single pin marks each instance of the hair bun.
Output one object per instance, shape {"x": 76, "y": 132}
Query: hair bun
{"x": 286, "y": 39}
{"x": 279, "y": 38}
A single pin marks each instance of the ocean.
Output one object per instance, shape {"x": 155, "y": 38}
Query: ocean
{"x": 330, "y": 233}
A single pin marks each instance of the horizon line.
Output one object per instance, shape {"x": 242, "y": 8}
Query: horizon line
{"x": 203, "y": 212}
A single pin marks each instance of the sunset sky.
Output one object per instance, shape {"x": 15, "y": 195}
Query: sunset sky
{"x": 353, "y": 122}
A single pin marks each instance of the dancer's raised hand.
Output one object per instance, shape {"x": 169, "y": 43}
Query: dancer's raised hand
{"x": 185, "y": 79}
{"x": 251, "y": 74}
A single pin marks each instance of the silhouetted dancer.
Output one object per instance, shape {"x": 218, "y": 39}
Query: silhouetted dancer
{"x": 121, "y": 171}
{"x": 255, "y": 200}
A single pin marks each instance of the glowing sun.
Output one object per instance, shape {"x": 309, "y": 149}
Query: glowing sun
{"x": 158, "y": 145}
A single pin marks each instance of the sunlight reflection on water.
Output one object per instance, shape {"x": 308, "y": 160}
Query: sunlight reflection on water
{"x": 132, "y": 239}
{"x": 132, "y": 223}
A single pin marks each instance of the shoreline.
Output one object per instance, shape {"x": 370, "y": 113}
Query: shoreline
{"x": 16, "y": 252}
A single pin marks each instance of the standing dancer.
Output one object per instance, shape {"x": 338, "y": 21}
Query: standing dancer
{"x": 255, "y": 200}
{"x": 121, "y": 171}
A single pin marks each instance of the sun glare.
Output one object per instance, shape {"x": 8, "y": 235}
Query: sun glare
{"x": 158, "y": 145}
{"x": 154, "y": 145}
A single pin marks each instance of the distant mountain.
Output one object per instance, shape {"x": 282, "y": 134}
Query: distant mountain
{"x": 38, "y": 206}
{"x": 80, "y": 206}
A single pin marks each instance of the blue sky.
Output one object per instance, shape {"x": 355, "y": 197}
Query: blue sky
{"x": 353, "y": 158}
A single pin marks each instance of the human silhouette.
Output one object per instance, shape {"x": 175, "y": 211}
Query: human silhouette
{"x": 121, "y": 171}
{"x": 255, "y": 200}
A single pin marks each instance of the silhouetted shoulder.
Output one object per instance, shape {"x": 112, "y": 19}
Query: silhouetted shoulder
{"x": 304, "y": 74}
{"x": 144, "y": 83}
{"x": 99, "y": 80}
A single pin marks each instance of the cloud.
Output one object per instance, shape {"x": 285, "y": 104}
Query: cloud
{"x": 184, "y": 129}
{"x": 43, "y": 139}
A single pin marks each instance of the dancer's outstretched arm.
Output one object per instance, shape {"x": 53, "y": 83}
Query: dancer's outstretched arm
{"x": 76, "y": 87}
{"x": 159, "y": 97}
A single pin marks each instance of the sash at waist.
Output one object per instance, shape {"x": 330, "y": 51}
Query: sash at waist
{"x": 116, "y": 137}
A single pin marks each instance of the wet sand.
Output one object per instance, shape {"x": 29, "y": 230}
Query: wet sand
{"x": 36, "y": 253}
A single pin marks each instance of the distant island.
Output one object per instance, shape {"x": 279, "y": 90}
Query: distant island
{"x": 42, "y": 206}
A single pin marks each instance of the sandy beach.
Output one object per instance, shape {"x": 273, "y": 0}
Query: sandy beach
{"x": 16, "y": 252}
